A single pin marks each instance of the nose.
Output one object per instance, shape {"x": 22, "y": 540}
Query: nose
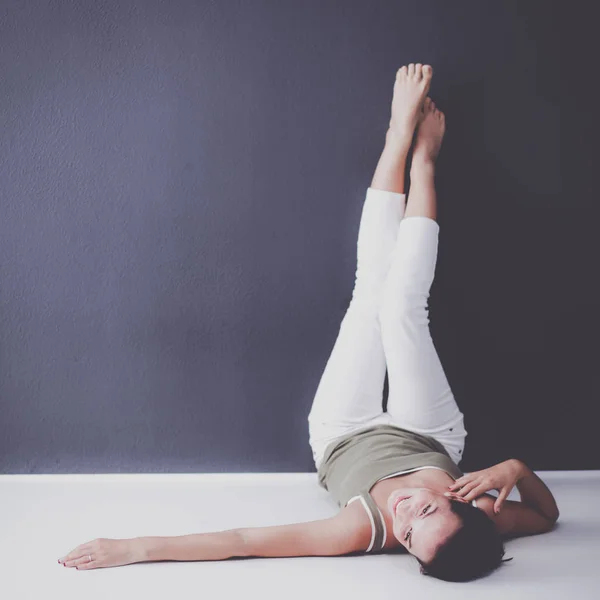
{"x": 405, "y": 509}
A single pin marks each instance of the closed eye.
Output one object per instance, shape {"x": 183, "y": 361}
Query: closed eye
{"x": 409, "y": 533}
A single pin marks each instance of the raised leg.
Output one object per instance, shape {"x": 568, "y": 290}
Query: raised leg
{"x": 420, "y": 397}
{"x": 349, "y": 395}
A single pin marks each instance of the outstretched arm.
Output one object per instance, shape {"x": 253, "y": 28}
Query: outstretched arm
{"x": 338, "y": 535}
{"x": 326, "y": 537}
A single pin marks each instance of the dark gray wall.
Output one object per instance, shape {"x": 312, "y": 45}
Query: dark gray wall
{"x": 181, "y": 184}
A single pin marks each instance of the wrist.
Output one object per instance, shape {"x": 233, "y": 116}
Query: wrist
{"x": 139, "y": 549}
{"x": 522, "y": 469}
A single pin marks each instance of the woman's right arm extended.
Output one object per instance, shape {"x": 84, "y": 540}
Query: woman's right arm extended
{"x": 334, "y": 536}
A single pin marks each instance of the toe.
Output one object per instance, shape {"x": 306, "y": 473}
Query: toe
{"x": 411, "y": 70}
{"x": 401, "y": 72}
{"x": 419, "y": 71}
{"x": 427, "y": 72}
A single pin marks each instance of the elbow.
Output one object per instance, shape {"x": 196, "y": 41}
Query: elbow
{"x": 552, "y": 520}
{"x": 553, "y": 517}
{"x": 550, "y": 527}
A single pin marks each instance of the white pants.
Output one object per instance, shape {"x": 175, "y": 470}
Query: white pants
{"x": 387, "y": 325}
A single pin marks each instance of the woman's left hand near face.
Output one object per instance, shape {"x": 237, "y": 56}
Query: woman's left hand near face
{"x": 502, "y": 477}
{"x": 104, "y": 553}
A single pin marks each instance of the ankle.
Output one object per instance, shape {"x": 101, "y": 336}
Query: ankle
{"x": 397, "y": 142}
{"x": 422, "y": 165}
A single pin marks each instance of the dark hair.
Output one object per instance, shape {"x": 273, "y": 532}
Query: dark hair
{"x": 475, "y": 550}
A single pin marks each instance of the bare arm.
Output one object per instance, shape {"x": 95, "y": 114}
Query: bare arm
{"x": 195, "y": 546}
{"x": 535, "y": 513}
{"x": 326, "y": 537}
{"x": 535, "y": 494}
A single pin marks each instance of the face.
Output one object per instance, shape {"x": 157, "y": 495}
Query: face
{"x": 424, "y": 521}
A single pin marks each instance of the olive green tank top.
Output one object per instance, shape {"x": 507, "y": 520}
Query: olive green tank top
{"x": 353, "y": 464}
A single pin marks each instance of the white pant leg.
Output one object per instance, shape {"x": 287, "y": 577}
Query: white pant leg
{"x": 350, "y": 393}
{"x": 420, "y": 398}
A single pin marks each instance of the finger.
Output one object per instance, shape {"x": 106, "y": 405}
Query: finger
{"x": 80, "y": 560}
{"x": 88, "y": 566}
{"x": 475, "y": 474}
{"x": 466, "y": 489}
{"x": 500, "y": 500}
{"x": 75, "y": 553}
{"x": 458, "y": 483}
{"x": 466, "y": 485}
{"x": 474, "y": 493}
{"x": 452, "y": 495}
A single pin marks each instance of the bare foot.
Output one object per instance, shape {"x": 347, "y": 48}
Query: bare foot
{"x": 410, "y": 88}
{"x": 430, "y": 132}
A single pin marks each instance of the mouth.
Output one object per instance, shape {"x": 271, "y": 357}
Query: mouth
{"x": 397, "y": 503}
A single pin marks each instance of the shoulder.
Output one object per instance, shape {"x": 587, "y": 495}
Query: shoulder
{"x": 354, "y": 520}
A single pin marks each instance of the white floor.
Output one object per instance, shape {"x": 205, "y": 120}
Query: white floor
{"x": 42, "y": 517}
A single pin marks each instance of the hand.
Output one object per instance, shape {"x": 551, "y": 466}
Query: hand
{"x": 104, "y": 552}
{"x": 501, "y": 477}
